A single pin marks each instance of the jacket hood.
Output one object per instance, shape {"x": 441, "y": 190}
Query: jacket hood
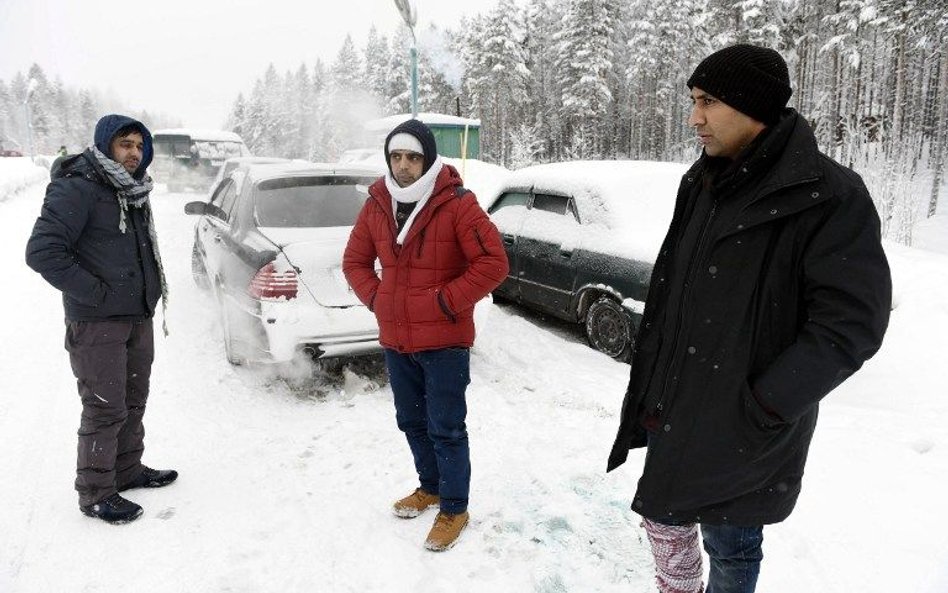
{"x": 109, "y": 125}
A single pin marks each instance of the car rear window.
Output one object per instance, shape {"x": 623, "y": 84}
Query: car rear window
{"x": 323, "y": 201}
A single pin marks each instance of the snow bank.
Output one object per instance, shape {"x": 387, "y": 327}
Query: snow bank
{"x": 932, "y": 233}
{"x": 17, "y": 173}
{"x": 484, "y": 179}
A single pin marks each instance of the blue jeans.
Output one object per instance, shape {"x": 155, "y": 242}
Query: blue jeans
{"x": 430, "y": 409}
{"x": 735, "y": 554}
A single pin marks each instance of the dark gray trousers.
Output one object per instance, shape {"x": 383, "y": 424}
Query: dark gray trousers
{"x": 112, "y": 364}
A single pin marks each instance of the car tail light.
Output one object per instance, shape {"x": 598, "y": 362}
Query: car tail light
{"x": 271, "y": 285}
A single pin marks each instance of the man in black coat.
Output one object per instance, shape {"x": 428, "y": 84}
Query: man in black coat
{"x": 95, "y": 241}
{"x": 771, "y": 288}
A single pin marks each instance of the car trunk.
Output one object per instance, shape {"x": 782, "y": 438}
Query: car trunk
{"x": 317, "y": 256}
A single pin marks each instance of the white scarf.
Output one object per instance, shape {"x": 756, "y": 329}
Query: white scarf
{"x": 419, "y": 191}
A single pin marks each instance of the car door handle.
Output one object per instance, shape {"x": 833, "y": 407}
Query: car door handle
{"x": 508, "y": 239}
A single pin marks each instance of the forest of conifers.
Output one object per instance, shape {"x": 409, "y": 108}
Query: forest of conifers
{"x": 555, "y": 80}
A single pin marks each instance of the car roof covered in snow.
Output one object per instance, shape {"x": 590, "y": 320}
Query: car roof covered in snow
{"x": 255, "y": 160}
{"x": 632, "y": 200}
{"x": 199, "y": 135}
{"x": 260, "y": 172}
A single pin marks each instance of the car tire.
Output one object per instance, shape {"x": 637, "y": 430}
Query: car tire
{"x": 198, "y": 270}
{"x": 231, "y": 350}
{"x": 609, "y": 328}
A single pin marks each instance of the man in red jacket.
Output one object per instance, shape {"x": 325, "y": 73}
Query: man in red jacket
{"x": 440, "y": 255}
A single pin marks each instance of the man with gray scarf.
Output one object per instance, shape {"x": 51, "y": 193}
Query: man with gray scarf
{"x": 95, "y": 241}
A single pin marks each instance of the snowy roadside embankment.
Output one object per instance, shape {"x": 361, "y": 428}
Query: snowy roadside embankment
{"x": 932, "y": 233}
{"x": 17, "y": 173}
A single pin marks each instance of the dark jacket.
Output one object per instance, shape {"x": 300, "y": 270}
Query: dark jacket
{"x": 452, "y": 257}
{"x": 783, "y": 292}
{"x": 78, "y": 247}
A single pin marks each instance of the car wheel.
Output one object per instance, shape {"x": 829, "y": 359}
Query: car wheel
{"x": 609, "y": 328}
{"x": 231, "y": 350}
{"x": 198, "y": 270}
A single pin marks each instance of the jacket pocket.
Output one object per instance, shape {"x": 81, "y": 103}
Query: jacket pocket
{"x": 763, "y": 423}
{"x": 445, "y": 309}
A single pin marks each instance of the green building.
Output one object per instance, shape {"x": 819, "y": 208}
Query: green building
{"x": 449, "y": 132}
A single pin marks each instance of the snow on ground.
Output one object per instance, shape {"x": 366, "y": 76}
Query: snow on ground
{"x": 286, "y": 485}
{"x": 17, "y": 173}
{"x": 932, "y": 233}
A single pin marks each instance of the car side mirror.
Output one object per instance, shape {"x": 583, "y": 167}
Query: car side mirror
{"x": 195, "y": 208}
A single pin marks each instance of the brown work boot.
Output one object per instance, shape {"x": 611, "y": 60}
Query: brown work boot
{"x": 445, "y": 531}
{"x": 415, "y": 504}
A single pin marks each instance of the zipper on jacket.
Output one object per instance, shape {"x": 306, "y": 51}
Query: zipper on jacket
{"x": 421, "y": 241}
{"x": 689, "y": 281}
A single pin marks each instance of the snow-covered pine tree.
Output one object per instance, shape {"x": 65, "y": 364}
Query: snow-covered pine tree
{"x": 376, "y": 58}
{"x": 436, "y": 93}
{"x": 584, "y": 62}
{"x": 497, "y": 76}
{"x": 236, "y": 121}
{"x": 398, "y": 78}
{"x": 540, "y": 116}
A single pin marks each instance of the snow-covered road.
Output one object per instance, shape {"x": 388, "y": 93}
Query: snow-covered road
{"x": 286, "y": 486}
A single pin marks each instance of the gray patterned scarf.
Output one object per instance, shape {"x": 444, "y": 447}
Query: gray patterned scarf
{"x": 133, "y": 193}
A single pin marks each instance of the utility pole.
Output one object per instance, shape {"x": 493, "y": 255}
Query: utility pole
{"x": 407, "y": 9}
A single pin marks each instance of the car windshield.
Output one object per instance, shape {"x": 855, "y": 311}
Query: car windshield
{"x": 324, "y": 201}
{"x": 217, "y": 150}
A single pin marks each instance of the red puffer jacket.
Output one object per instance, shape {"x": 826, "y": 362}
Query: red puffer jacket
{"x": 452, "y": 257}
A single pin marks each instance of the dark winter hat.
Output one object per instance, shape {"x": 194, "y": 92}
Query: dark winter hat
{"x": 424, "y": 135}
{"x": 110, "y": 125}
{"x": 754, "y": 80}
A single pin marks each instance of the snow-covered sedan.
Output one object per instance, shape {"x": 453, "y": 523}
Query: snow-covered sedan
{"x": 269, "y": 244}
{"x": 582, "y": 237}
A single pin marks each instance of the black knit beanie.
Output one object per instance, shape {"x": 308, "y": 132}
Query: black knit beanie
{"x": 424, "y": 135}
{"x": 754, "y": 80}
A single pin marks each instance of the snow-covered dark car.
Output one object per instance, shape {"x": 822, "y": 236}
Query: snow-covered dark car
{"x": 269, "y": 244}
{"x": 582, "y": 237}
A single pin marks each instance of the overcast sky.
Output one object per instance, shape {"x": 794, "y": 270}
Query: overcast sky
{"x": 190, "y": 58}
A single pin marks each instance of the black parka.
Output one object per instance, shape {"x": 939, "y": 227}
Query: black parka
{"x": 77, "y": 246}
{"x": 786, "y": 293}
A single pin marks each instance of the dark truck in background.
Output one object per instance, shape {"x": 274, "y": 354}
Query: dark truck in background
{"x": 190, "y": 159}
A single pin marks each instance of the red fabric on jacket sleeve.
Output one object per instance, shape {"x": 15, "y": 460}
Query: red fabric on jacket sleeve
{"x": 358, "y": 260}
{"x": 487, "y": 261}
